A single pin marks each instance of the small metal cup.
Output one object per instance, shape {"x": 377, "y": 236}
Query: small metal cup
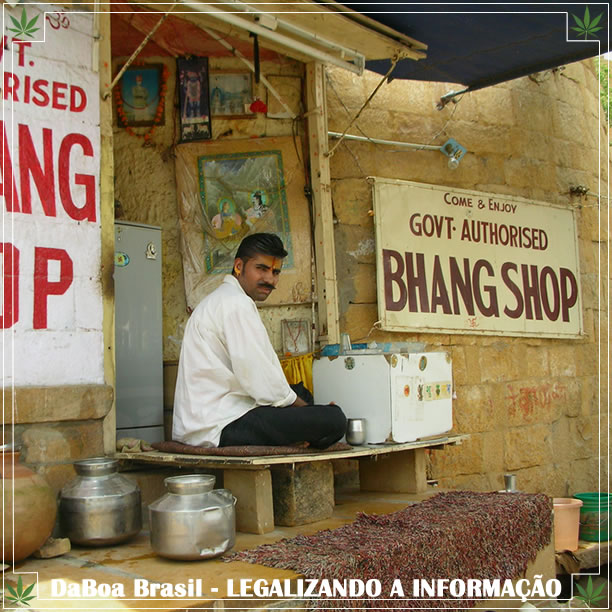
{"x": 510, "y": 482}
{"x": 356, "y": 431}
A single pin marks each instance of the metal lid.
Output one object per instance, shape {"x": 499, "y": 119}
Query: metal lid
{"x": 190, "y": 484}
{"x": 98, "y": 466}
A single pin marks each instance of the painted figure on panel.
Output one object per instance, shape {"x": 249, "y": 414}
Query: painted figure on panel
{"x": 228, "y": 221}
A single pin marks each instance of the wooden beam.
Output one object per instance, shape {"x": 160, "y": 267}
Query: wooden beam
{"x": 346, "y": 27}
{"x": 325, "y": 251}
{"x": 315, "y": 18}
{"x": 107, "y": 211}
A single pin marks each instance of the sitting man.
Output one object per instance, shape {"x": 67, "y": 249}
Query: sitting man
{"x": 230, "y": 388}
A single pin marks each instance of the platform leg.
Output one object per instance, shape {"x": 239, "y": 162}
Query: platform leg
{"x": 253, "y": 490}
{"x": 403, "y": 472}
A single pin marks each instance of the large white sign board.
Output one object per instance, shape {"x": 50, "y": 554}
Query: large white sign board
{"x": 51, "y": 306}
{"x": 457, "y": 261}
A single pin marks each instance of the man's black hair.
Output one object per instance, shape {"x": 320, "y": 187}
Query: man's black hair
{"x": 261, "y": 244}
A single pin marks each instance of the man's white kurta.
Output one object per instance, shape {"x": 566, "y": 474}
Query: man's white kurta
{"x": 227, "y": 367}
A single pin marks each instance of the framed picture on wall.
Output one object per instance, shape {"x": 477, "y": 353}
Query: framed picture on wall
{"x": 140, "y": 91}
{"x": 231, "y": 94}
{"x": 193, "y": 98}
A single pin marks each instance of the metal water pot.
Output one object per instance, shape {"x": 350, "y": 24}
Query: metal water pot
{"x": 192, "y": 521}
{"x": 99, "y": 507}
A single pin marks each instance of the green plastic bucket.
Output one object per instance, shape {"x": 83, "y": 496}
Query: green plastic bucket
{"x": 594, "y": 516}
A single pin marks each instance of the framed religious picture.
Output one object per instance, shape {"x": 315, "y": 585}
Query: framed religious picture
{"x": 193, "y": 98}
{"x": 140, "y": 92}
{"x": 231, "y": 94}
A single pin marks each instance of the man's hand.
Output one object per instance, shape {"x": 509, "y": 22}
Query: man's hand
{"x": 299, "y": 402}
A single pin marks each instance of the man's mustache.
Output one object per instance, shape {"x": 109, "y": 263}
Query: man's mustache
{"x": 267, "y": 286}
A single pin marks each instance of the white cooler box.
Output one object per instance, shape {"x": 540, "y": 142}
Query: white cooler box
{"x": 403, "y": 397}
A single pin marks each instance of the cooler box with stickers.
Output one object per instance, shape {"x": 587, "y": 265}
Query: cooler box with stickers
{"x": 403, "y": 397}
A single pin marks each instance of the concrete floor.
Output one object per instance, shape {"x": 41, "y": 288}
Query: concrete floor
{"x": 119, "y": 567}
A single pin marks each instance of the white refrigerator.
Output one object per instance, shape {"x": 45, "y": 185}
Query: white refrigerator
{"x": 138, "y": 331}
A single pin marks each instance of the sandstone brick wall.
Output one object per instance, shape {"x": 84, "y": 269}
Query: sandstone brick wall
{"x": 56, "y": 426}
{"x": 529, "y": 404}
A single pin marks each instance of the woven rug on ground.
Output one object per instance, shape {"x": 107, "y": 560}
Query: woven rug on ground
{"x": 454, "y": 535}
{"x": 243, "y": 451}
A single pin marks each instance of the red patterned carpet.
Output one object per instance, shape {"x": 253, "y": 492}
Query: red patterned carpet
{"x": 456, "y": 535}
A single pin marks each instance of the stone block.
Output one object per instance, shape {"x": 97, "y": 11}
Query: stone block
{"x": 53, "y": 547}
{"x": 359, "y": 285}
{"x": 498, "y": 363}
{"x": 536, "y": 362}
{"x": 582, "y": 438}
{"x": 527, "y": 446}
{"x": 464, "y": 458}
{"x": 584, "y": 475}
{"x": 345, "y": 87}
{"x": 475, "y": 410}
{"x": 356, "y": 162}
{"x": 303, "y": 493}
{"x": 43, "y": 444}
{"x": 540, "y": 479}
{"x": 466, "y": 482}
{"x": 495, "y": 106}
{"x": 472, "y": 363}
{"x": 346, "y": 473}
{"x": 586, "y": 359}
{"x": 459, "y": 365}
{"x": 562, "y": 360}
{"x": 358, "y": 243}
{"x": 404, "y": 472}
{"x": 588, "y": 401}
{"x": 352, "y": 200}
{"x": 253, "y": 490}
{"x": 487, "y": 140}
{"x": 569, "y": 123}
{"x": 531, "y": 401}
{"x": 52, "y": 404}
{"x": 358, "y": 320}
{"x": 536, "y": 106}
{"x": 533, "y": 143}
{"x": 61, "y": 442}
{"x": 493, "y": 452}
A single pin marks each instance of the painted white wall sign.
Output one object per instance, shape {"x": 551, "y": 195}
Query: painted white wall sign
{"x": 451, "y": 260}
{"x": 51, "y": 306}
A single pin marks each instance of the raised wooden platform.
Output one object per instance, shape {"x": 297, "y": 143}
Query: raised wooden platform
{"x": 260, "y": 481}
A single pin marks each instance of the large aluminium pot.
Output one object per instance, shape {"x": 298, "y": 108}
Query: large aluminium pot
{"x": 191, "y": 521}
{"x": 99, "y": 507}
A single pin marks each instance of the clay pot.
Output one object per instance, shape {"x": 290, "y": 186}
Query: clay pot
{"x": 29, "y": 501}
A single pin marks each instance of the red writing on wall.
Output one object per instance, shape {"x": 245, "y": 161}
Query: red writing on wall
{"x": 41, "y": 168}
{"x": 44, "y": 286}
{"x": 528, "y": 400}
{"x": 39, "y": 91}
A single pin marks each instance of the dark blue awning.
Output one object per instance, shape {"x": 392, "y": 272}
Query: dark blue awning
{"x": 483, "y": 44}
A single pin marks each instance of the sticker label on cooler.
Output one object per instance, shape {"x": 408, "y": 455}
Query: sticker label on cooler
{"x": 437, "y": 390}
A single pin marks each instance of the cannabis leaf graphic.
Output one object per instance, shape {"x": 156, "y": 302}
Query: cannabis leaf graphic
{"x": 24, "y": 27}
{"x": 585, "y": 25}
{"x": 588, "y": 595}
{"x": 20, "y": 596}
